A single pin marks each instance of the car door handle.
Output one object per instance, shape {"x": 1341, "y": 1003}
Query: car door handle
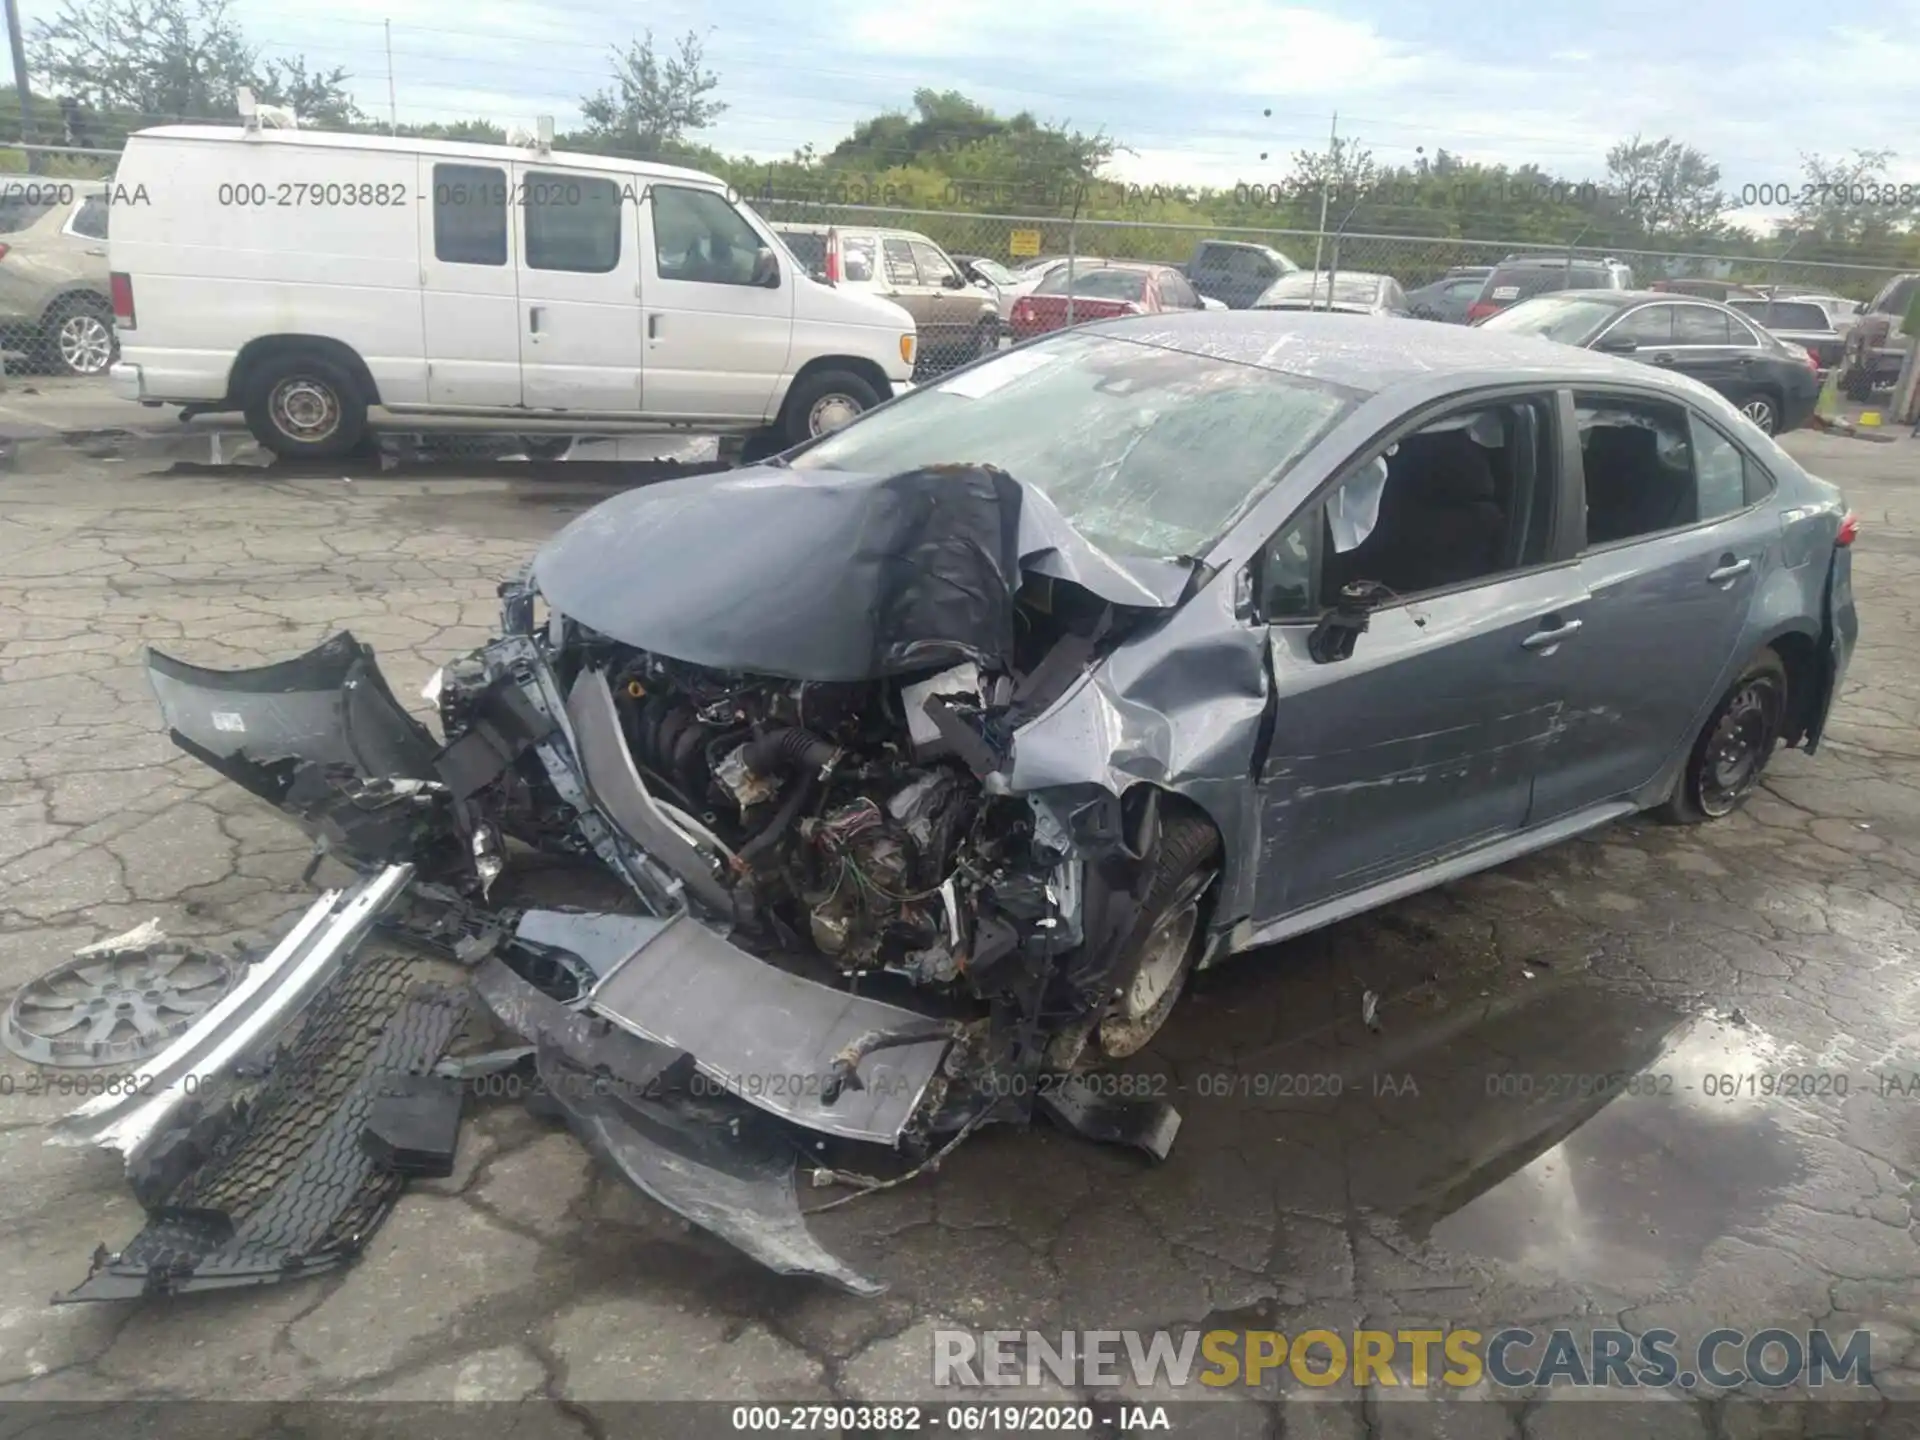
{"x": 653, "y": 327}
{"x": 1663, "y": 359}
{"x": 533, "y": 319}
{"x": 1729, "y": 570}
{"x": 1548, "y": 636}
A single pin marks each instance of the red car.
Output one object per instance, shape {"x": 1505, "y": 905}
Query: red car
{"x": 1101, "y": 292}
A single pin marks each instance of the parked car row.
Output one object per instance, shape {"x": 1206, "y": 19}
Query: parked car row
{"x": 55, "y": 305}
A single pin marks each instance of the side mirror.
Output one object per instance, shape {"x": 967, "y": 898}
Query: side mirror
{"x": 766, "y": 269}
{"x": 1618, "y": 344}
{"x": 955, "y": 282}
{"x": 1333, "y": 638}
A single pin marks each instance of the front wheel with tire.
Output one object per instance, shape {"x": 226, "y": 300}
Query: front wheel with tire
{"x": 1149, "y": 978}
{"x": 1733, "y": 747}
{"x": 81, "y": 329}
{"x": 824, "y": 402}
{"x": 306, "y": 406}
{"x": 1763, "y": 410}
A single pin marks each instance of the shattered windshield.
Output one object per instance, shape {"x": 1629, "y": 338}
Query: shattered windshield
{"x": 1145, "y": 451}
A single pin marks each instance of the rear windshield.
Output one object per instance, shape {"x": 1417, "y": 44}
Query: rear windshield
{"x": 1517, "y": 282}
{"x": 18, "y": 212}
{"x": 1898, "y": 297}
{"x": 1096, "y": 284}
{"x": 1783, "y": 314}
{"x": 1302, "y": 287}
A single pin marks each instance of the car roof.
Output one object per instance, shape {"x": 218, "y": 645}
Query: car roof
{"x": 1374, "y": 355}
{"x": 888, "y": 232}
{"x": 440, "y": 149}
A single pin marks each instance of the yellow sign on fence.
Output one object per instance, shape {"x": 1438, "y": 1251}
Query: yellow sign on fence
{"x": 1023, "y": 244}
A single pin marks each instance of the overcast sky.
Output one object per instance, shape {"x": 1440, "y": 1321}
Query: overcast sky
{"x": 1185, "y": 85}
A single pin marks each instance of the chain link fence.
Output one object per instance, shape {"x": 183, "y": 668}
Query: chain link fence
{"x": 1413, "y": 260}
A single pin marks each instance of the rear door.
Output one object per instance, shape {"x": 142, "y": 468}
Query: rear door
{"x": 1704, "y": 347}
{"x": 579, "y": 290}
{"x": 1677, "y": 541}
{"x": 470, "y": 302}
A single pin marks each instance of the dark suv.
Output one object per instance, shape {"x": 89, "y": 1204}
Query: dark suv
{"x": 1521, "y": 277}
{"x": 1877, "y": 343}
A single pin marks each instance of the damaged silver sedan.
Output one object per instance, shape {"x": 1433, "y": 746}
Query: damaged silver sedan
{"x": 931, "y": 759}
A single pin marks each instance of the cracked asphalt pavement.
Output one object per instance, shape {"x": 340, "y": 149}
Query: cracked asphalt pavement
{"x": 1448, "y": 1168}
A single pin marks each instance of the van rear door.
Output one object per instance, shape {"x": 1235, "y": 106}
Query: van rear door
{"x": 469, "y": 289}
{"x": 579, "y": 264}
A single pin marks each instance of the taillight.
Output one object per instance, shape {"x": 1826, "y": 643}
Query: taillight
{"x": 1849, "y": 530}
{"x": 121, "y": 285}
{"x": 833, "y": 257}
{"x": 1479, "y": 310}
{"x": 1021, "y": 309}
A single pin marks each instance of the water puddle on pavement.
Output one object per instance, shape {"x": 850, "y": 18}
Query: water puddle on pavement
{"x": 1618, "y": 1173}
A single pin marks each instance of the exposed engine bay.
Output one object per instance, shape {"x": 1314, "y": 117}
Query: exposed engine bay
{"x": 843, "y": 913}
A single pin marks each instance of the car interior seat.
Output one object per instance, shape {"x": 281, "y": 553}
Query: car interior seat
{"x": 1630, "y": 491}
{"x": 1441, "y": 521}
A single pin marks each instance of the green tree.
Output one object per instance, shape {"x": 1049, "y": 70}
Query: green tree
{"x": 137, "y": 62}
{"x": 1670, "y": 189}
{"x": 654, "y": 104}
{"x": 1843, "y": 204}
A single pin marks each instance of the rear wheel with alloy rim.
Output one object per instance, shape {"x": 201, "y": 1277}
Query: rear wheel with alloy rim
{"x": 1731, "y": 752}
{"x": 1760, "y": 409}
{"x": 82, "y": 330}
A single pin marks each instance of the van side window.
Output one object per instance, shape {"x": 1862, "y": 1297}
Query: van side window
{"x": 698, "y": 236}
{"x": 573, "y": 223}
{"x": 470, "y": 214}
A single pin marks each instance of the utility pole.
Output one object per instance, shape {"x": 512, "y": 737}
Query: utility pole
{"x": 1326, "y": 187}
{"x": 20, "y": 82}
{"x": 393, "y": 108}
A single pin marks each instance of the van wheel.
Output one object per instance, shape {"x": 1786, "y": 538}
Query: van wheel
{"x": 304, "y": 406}
{"x": 1733, "y": 747}
{"x": 81, "y": 327}
{"x": 825, "y": 401}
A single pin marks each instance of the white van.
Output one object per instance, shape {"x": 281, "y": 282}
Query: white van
{"x": 305, "y": 278}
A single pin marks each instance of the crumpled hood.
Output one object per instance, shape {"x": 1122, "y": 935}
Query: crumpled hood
{"x": 827, "y": 576}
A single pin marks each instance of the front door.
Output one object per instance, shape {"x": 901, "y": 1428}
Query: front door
{"x": 1673, "y": 556}
{"x": 1424, "y": 741}
{"x": 716, "y": 336}
{"x": 579, "y": 285}
{"x": 955, "y": 306}
{"x": 470, "y": 306}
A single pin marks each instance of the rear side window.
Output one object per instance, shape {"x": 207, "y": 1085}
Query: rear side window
{"x": 1641, "y": 473}
{"x": 900, "y": 268}
{"x": 1697, "y": 325}
{"x": 573, "y": 223}
{"x": 470, "y": 214}
{"x": 90, "y": 219}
